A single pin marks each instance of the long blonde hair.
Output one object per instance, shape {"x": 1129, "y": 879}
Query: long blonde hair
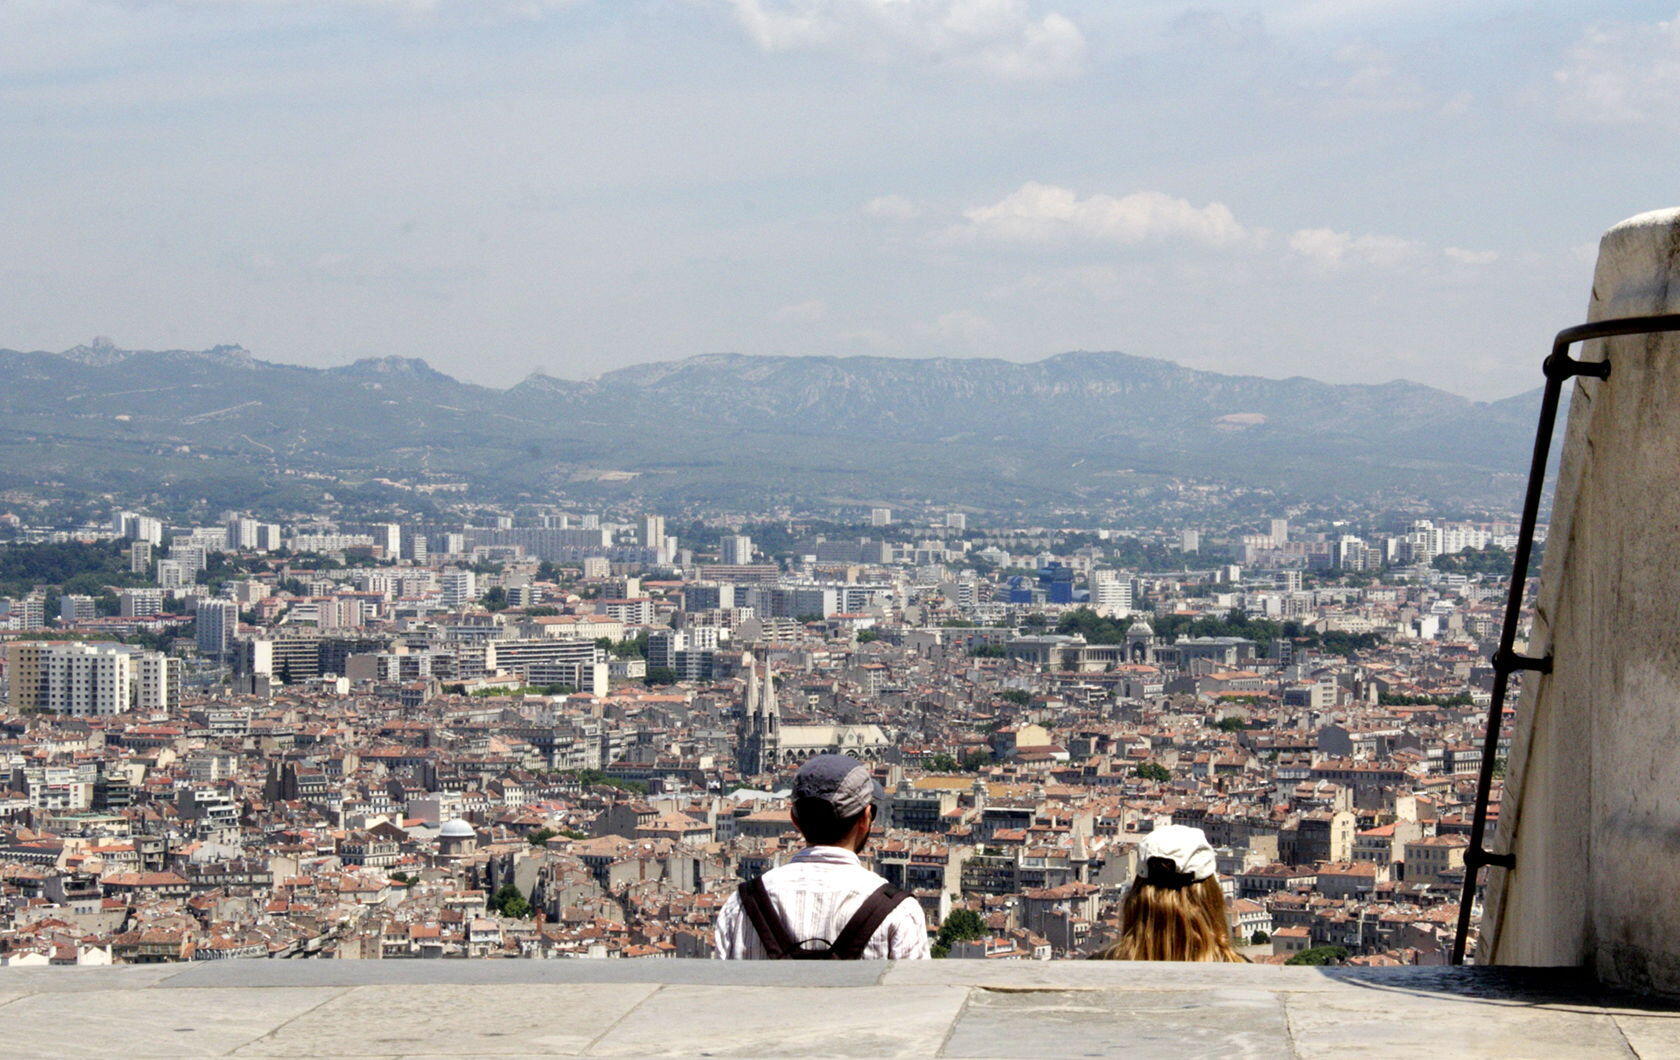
{"x": 1167, "y": 923}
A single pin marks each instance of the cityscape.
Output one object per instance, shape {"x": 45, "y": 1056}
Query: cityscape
{"x": 962, "y": 528}
{"x": 550, "y": 732}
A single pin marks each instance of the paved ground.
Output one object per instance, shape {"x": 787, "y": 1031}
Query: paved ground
{"x": 686, "y": 1008}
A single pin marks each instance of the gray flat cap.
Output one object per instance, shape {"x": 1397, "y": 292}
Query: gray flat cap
{"x": 840, "y": 780}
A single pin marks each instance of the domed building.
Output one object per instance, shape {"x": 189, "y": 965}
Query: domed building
{"x": 457, "y": 839}
{"x": 1140, "y": 642}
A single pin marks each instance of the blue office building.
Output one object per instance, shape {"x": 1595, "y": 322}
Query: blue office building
{"x": 1020, "y": 590}
{"x": 1056, "y": 580}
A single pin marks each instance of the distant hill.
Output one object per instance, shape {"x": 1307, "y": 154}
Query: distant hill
{"x": 1079, "y": 430}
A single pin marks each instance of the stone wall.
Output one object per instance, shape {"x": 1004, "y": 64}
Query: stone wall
{"x": 1592, "y": 803}
{"x": 645, "y": 1008}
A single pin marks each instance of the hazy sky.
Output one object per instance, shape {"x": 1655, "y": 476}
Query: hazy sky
{"x": 1347, "y": 189}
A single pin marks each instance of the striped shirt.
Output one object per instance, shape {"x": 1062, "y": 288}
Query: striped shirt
{"x": 816, "y": 893}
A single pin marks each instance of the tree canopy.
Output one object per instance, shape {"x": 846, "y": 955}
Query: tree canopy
{"x": 509, "y": 901}
{"x": 1155, "y": 771}
{"x": 961, "y": 925}
{"x": 1320, "y": 955}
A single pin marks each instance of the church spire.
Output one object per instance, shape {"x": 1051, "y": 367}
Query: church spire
{"x": 758, "y": 739}
{"x": 751, "y": 706}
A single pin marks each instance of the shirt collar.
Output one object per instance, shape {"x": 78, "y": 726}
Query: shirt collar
{"x": 827, "y": 855}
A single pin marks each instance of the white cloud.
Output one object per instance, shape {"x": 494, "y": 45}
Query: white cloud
{"x": 1003, "y": 38}
{"x": 1045, "y": 213}
{"x": 1052, "y": 218}
{"x": 1624, "y": 74}
{"x": 807, "y": 312}
{"x": 1330, "y": 248}
{"x": 892, "y": 208}
{"x": 1462, "y": 256}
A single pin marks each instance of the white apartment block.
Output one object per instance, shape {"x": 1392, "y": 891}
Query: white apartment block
{"x": 242, "y": 534}
{"x": 134, "y": 527}
{"x": 90, "y": 679}
{"x": 328, "y": 542}
{"x": 596, "y": 567}
{"x": 140, "y": 603}
{"x": 1111, "y": 595}
{"x": 457, "y": 587}
{"x": 217, "y": 621}
{"x": 74, "y": 608}
{"x": 173, "y": 574}
{"x": 736, "y": 550}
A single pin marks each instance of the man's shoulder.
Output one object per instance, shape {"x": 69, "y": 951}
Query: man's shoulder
{"x": 824, "y": 874}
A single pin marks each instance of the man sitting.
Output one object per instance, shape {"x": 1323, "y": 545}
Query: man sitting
{"x": 823, "y": 904}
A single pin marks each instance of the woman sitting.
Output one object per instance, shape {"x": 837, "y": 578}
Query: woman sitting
{"x": 1175, "y": 910}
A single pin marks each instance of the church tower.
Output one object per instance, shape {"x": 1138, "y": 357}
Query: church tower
{"x": 759, "y": 734}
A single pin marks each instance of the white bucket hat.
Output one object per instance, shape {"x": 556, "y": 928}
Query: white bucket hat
{"x": 1176, "y": 855}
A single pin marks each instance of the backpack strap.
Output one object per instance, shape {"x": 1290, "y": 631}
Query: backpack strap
{"x": 854, "y": 937}
{"x": 772, "y": 933}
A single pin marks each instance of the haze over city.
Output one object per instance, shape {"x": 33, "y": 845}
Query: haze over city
{"x": 1348, "y": 191}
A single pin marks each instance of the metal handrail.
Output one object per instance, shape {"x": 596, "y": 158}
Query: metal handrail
{"x": 1559, "y": 367}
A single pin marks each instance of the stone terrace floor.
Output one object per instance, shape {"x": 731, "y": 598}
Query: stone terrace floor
{"x": 944, "y": 1008}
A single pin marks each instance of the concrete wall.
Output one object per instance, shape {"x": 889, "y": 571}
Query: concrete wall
{"x": 1592, "y": 804}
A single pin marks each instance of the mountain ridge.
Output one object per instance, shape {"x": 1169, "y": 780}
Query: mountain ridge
{"x": 101, "y": 353}
{"x": 1090, "y": 428}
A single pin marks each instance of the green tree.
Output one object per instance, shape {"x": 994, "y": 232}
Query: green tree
{"x": 1490, "y": 560}
{"x": 594, "y": 777}
{"x": 659, "y": 675}
{"x": 1399, "y": 699}
{"x": 867, "y": 636}
{"x": 989, "y": 651}
{"x": 1154, "y": 771}
{"x": 1319, "y": 955}
{"x": 541, "y": 836}
{"x": 1230, "y": 725}
{"x": 628, "y": 648}
{"x": 960, "y": 926}
{"x": 496, "y": 599}
{"x": 509, "y": 901}
{"x": 1015, "y": 696}
{"x": 1259, "y": 938}
{"x": 77, "y": 567}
